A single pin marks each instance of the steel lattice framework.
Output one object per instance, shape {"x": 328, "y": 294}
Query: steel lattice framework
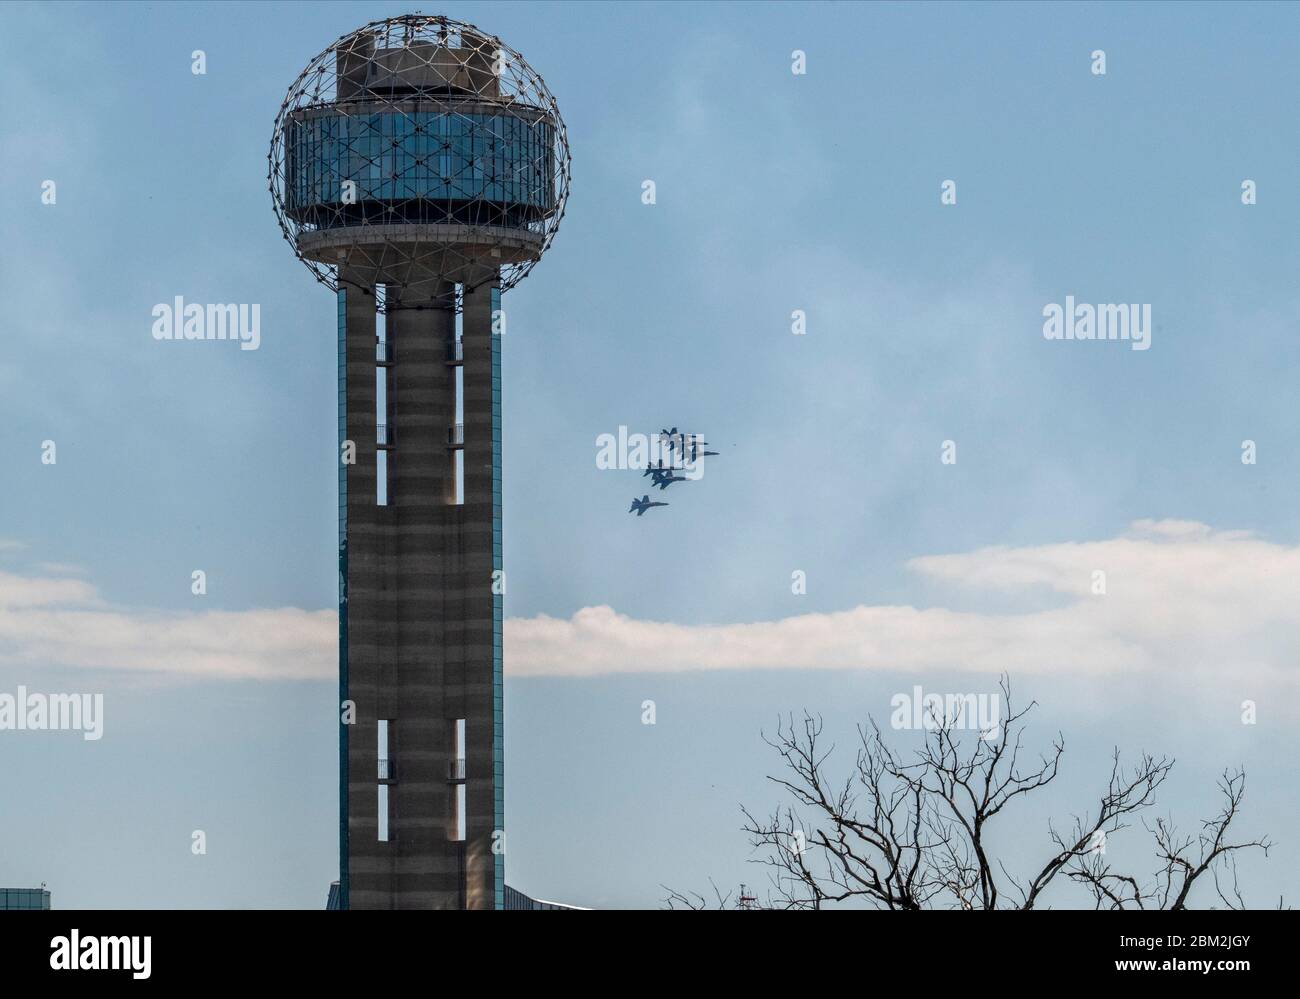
{"x": 420, "y": 153}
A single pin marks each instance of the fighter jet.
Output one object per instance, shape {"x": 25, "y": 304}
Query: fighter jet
{"x": 666, "y": 478}
{"x": 640, "y": 506}
{"x": 673, "y": 438}
{"x": 696, "y": 453}
{"x": 654, "y": 470}
{"x": 682, "y": 443}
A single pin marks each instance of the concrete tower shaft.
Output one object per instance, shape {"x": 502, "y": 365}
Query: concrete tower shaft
{"x": 423, "y": 625}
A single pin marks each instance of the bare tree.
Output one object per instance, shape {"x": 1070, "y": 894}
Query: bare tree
{"x": 896, "y": 834}
{"x": 694, "y": 900}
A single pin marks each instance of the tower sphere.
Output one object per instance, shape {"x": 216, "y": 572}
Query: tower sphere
{"x": 419, "y": 153}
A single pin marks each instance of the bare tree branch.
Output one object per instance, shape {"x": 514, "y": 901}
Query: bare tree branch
{"x": 914, "y": 834}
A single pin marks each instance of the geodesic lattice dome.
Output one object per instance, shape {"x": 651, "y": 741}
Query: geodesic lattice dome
{"x": 419, "y": 153}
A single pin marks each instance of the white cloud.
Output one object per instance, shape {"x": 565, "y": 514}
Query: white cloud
{"x": 1180, "y": 597}
{"x": 60, "y": 568}
{"x": 64, "y": 622}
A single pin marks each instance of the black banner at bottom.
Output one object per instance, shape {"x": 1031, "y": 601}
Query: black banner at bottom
{"x": 330, "y": 949}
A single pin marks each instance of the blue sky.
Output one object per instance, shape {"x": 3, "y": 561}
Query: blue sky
{"x": 775, "y": 192}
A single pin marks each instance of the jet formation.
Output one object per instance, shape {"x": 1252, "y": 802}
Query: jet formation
{"x": 687, "y": 448}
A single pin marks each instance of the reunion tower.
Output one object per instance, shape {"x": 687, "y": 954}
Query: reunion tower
{"x": 420, "y": 168}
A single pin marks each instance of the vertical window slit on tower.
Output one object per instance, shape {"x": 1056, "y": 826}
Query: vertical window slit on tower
{"x": 458, "y": 775}
{"x": 386, "y": 770}
{"x": 457, "y": 454}
{"x": 383, "y": 431}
